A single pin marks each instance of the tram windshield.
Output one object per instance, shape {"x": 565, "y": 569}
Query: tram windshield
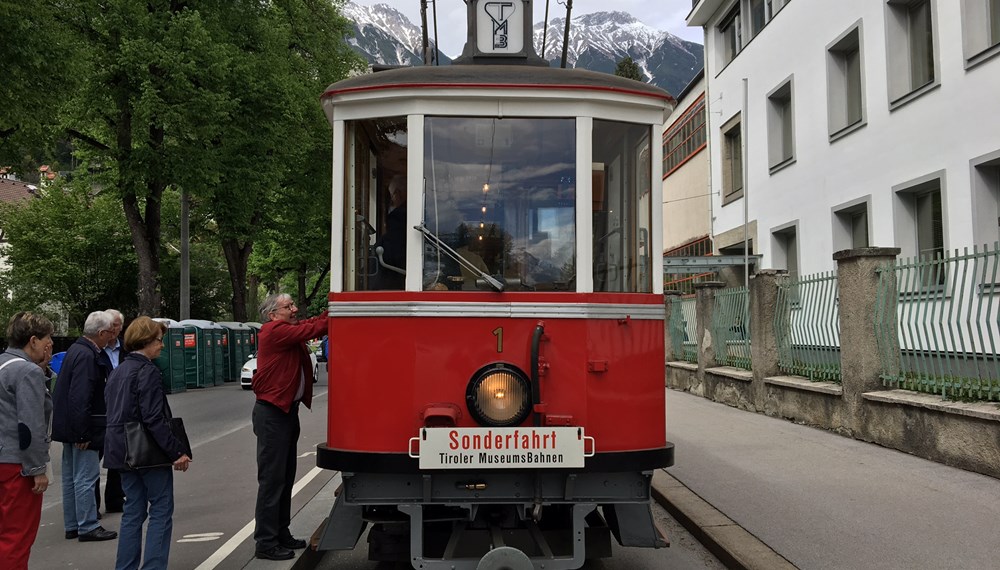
{"x": 497, "y": 205}
{"x": 501, "y": 193}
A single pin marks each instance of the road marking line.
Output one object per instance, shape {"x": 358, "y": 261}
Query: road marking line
{"x": 226, "y": 549}
{"x": 200, "y": 539}
{"x": 204, "y": 535}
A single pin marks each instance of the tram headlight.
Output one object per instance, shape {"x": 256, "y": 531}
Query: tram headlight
{"x": 499, "y": 395}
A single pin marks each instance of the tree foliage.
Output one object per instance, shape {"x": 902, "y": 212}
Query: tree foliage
{"x": 218, "y": 98}
{"x": 69, "y": 248}
{"x": 629, "y": 69}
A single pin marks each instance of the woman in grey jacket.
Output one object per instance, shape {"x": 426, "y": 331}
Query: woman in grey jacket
{"x": 25, "y": 411}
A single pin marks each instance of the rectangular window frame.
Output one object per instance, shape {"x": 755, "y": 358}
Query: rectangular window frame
{"x": 844, "y": 215}
{"x": 781, "y": 126}
{"x": 847, "y": 109}
{"x": 686, "y": 137}
{"x": 730, "y": 31}
{"x": 980, "y": 31}
{"x": 905, "y": 49}
{"x": 733, "y": 155}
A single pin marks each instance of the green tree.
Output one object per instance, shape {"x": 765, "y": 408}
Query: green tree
{"x": 151, "y": 102}
{"x": 69, "y": 248}
{"x": 38, "y": 62}
{"x": 629, "y": 69}
{"x": 275, "y": 165}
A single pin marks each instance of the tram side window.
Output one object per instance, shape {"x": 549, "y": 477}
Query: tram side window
{"x": 375, "y": 199}
{"x": 502, "y": 194}
{"x": 622, "y": 207}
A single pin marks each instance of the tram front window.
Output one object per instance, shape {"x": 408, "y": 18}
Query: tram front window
{"x": 622, "y": 207}
{"x": 502, "y": 194}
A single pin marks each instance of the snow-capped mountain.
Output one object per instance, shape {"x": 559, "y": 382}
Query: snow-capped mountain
{"x": 597, "y": 42}
{"x": 600, "y": 40}
{"x": 384, "y": 35}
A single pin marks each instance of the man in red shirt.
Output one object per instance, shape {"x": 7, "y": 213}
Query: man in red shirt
{"x": 284, "y": 378}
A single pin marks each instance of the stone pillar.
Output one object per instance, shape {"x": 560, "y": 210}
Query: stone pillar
{"x": 705, "y": 307}
{"x": 763, "y": 343}
{"x": 858, "y": 281}
{"x": 668, "y": 339}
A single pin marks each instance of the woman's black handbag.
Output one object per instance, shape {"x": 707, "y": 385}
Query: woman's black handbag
{"x": 142, "y": 451}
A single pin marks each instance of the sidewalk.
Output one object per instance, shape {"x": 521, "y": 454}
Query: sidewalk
{"x": 821, "y": 500}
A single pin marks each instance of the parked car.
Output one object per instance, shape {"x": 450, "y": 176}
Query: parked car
{"x": 250, "y": 368}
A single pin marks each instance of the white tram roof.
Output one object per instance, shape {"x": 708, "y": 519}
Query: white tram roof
{"x": 437, "y": 89}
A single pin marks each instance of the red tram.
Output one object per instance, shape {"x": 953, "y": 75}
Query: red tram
{"x": 496, "y": 309}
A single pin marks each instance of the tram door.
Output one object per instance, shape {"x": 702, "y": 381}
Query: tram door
{"x": 375, "y": 152}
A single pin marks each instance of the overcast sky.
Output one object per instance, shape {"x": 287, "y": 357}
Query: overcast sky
{"x": 451, "y": 16}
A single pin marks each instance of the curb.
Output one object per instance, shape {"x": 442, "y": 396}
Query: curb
{"x": 732, "y": 544}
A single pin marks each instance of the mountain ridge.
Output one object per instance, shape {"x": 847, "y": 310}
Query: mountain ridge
{"x": 597, "y": 42}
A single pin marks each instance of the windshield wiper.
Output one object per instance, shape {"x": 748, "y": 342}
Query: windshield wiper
{"x": 491, "y": 281}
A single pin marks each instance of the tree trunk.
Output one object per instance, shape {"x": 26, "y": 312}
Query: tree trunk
{"x": 300, "y": 280}
{"x": 144, "y": 227}
{"x": 237, "y": 257}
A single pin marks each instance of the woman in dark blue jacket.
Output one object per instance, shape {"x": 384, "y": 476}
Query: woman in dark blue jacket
{"x": 135, "y": 393}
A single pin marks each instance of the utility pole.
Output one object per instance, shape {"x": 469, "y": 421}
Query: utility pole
{"x": 185, "y": 308}
{"x": 569, "y": 10}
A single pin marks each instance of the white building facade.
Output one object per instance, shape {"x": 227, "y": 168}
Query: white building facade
{"x": 851, "y": 123}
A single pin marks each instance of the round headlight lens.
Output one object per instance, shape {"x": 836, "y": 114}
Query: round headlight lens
{"x": 499, "y": 395}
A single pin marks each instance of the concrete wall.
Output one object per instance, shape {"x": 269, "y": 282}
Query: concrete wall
{"x": 961, "y": 434}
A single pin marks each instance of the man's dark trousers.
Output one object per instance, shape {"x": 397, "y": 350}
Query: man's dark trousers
{"x": 277, "y": 434}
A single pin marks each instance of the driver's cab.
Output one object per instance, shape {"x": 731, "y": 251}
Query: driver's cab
{"x": 495, "y": 206}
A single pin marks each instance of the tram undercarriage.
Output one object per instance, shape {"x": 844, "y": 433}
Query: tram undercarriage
{"x": 519, "y": 520}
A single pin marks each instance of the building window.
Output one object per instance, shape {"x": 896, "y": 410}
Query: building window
{"x": 850, "y": 226}
{"x": 920, "y": 224}
{"x": 785, "y": 250}
{"x": 844, "y": 82}
{"x": 731, "y": 32}
{"x": 685, "y": 138}
{"x": 780, "y": 126}
{"x": 930, "y": 224}
{"x": 986, "y": 199}
{"x": 981, "y": 29}
{"x": 732, "y": 160}
{"x": 758, "y": 17}
{"x": 910, "y": 36}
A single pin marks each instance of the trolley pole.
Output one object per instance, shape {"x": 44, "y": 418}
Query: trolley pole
{"x": 424, "y": 49}
{"x": 569, "y": 10}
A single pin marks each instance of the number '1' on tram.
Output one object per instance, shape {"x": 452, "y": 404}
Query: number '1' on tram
{"x": 496, "y": 308}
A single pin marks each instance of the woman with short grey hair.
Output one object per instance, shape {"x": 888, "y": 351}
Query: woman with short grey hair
{"x": 25, "y": 411}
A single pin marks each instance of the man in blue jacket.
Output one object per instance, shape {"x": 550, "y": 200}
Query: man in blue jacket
{"x": 77, "y": 422}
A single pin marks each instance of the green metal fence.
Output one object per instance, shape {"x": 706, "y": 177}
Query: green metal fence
{"x": 731, "y": 327}
{"x": 938, "y": 324}
{"x": 807, "y": 327}
{"x": 683, "y": 326}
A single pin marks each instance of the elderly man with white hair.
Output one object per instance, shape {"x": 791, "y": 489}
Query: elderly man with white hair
{"x": 77, "y": 409}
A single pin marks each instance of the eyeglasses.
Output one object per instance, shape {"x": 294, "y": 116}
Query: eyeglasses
{"x": 159, "y": 339}
{"x": 288, "y": 306}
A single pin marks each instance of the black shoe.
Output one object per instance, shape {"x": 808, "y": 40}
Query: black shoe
{"x": 71, "y": 534}
{"x": 292, "y": 543}
{"x": 275, "y": 553}
{"x": 98, "y": 534}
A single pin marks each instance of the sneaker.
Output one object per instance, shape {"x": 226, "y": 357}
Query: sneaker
{"x": 275, "y": 553}
{"x": 98, "y": 534}
{"x": 292, "y": 543}
{"x": 71, "y": 534}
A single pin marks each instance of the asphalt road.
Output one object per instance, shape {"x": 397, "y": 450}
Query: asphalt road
{"x": 215, "y": 499}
